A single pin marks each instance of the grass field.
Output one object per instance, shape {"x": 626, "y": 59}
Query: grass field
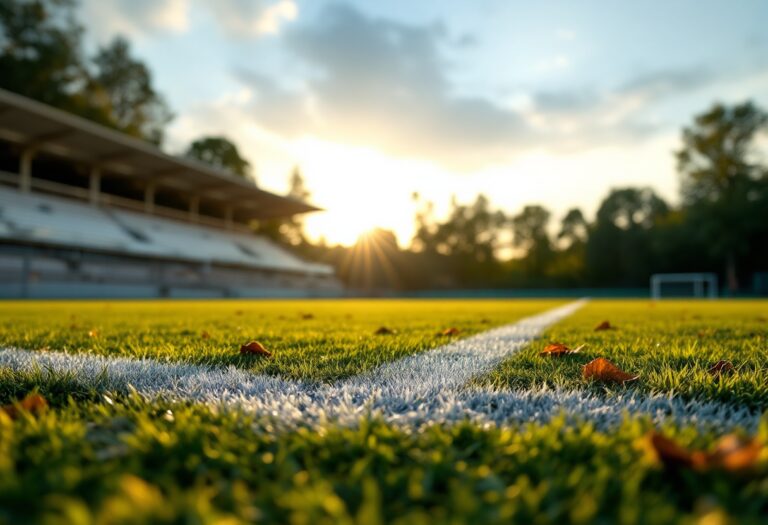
{"x": 127, "y": 458}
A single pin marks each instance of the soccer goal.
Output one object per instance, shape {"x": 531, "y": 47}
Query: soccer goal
{"x": 684, "y": 284}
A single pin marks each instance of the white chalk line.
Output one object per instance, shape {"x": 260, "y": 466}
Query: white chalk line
{"x": 422, "y": 389}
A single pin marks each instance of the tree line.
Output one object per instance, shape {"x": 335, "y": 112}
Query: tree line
{"x": 720, "y": 224}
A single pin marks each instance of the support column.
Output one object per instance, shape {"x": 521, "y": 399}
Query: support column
{"x": 94, "y": 186}
{"x": 194, "y": 208}
{"x": 25, "y": 170}
{"x": 149, "y": 198}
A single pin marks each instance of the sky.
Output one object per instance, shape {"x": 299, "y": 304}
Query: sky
{"x": 551, "y": 103}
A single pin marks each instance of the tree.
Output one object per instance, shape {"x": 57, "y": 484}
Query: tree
{"x": 618, "y": 252}
{"x": 573, "y": 229}
{"x": 529, "y": 232}
{"x": 288, "y": 231}
{"x": 40, "y": 55}
{"x": 724, "y": 186}
{"x": 124, "y": 85}
{"x": 221, "y": 153}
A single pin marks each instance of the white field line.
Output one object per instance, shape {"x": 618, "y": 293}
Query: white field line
{"x": 414, "y": 391}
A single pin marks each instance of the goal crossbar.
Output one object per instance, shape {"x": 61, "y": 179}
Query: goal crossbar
{"x": 702, "y": 283}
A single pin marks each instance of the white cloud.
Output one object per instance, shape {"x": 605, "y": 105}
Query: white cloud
{"x": 246, "y": 18}
{"x": 135, "y": 18}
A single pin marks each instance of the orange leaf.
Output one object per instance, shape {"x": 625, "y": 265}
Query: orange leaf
{"x": 383, "y": 330}
{"x": 450, "y": 331}
{"x": 205, "y": 335}
{"x": 307, "y": 317}
{"x": 601, "y": 369}
{"x": 720, "y": 368}
{"x": 93, "y": 333}
{"x": 734, "y": 453}
{"x": 255, "y": 348}
{"x": 33, "y": 403}
{"x": 560, "y": 349}
{"x": 605, "y": 325}
{"x": 670, "y": 454}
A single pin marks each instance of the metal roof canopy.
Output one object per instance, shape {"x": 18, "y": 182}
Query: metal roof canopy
{"x": 44, "y": 128}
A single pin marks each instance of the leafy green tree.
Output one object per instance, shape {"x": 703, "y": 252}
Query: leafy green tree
{"x": 724, "y": 183}
{"x": 124, "y": 85}
{"x": 40, "y": 51}
{"x": 618, "y": 252}
{"x": 221, "y": 153}
{"x": 529, "y": 233}
{"x": 573, "y": 229}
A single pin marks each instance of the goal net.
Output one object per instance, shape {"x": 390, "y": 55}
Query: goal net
{"x": 684, "y": 285}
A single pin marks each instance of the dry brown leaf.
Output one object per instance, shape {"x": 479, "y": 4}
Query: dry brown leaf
{"x": 33, "y": 403}
{"x": 605, "y": 325}
{"x": 450, "y": 331}
{"x": 732, "y": 453}
{"x": 205, "y": 335}
{"x": 383, "y": 330}
{"x": 307, "y": 317}
{"x": 601, "y": 369}
{"x": 720, "y": 368}
{"x": 255, "y": 348}
{"x": 559, "y": 349}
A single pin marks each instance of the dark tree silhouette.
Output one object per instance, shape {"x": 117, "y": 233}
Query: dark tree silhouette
{"x": 221, "y": 153}
{"x": 723, "y": 183}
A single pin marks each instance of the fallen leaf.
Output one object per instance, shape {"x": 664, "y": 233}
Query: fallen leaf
{"x": 33, "y": 403}
{"x": 720, "y": 368}
{"x": 605, "y": 325}
{"x": 670, "y": 454}
{"x": 732, "y": 453}
{"x": 601, "y": 369}
{"x": 383, "y": 330}
{"x": 93, "y": 333}
{"x": 239, "y": 312}
{"x": 205, "y": 335}
{"x": 255, "y": 348}
{"x": 560, "y": 349}
{"x": 450, "y": 331}
{"x": 307, "y": 317}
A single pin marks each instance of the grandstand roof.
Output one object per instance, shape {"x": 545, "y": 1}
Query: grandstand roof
{"x": 48, "y": 129}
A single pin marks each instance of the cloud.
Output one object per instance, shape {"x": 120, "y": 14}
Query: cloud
{"x": 247, "y": 18}
{"x": 135, "y": 17}
{"x": 378, "y": 82}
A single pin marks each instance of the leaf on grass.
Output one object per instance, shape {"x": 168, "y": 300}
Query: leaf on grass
{"x": 307, "y": 317}
{"x": 450, "y": 331}
{"x": 601, "y": 369}
{"x": 205, "y": 335}
{"x": 93, "y": 333}
{"x": 732, "y": 453}
{"x": 560, "y": 349}
{"x": 33, "y": 403}
{"x": 383, "y": 330}
{"x": 255, "y": 348}
{"x": 605, "y": 325}
{"x": 720, "y": 368}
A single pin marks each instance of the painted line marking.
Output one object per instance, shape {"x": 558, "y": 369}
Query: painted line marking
{"x": 413, "y": 391}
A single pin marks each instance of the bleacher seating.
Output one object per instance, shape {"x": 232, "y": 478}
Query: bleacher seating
{"x": 63, "y": 222}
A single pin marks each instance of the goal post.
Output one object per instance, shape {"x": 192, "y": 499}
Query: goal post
{"x": 703, "y": 284}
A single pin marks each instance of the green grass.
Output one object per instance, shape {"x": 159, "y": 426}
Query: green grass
{"x": 670, "y": 344}
{"x": 338, "y": 341}
{"x": 95, "y": 460}
{"x": 134, "y": 462}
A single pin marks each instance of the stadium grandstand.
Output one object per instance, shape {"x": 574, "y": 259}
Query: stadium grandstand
{"x": 86, "y": 211}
